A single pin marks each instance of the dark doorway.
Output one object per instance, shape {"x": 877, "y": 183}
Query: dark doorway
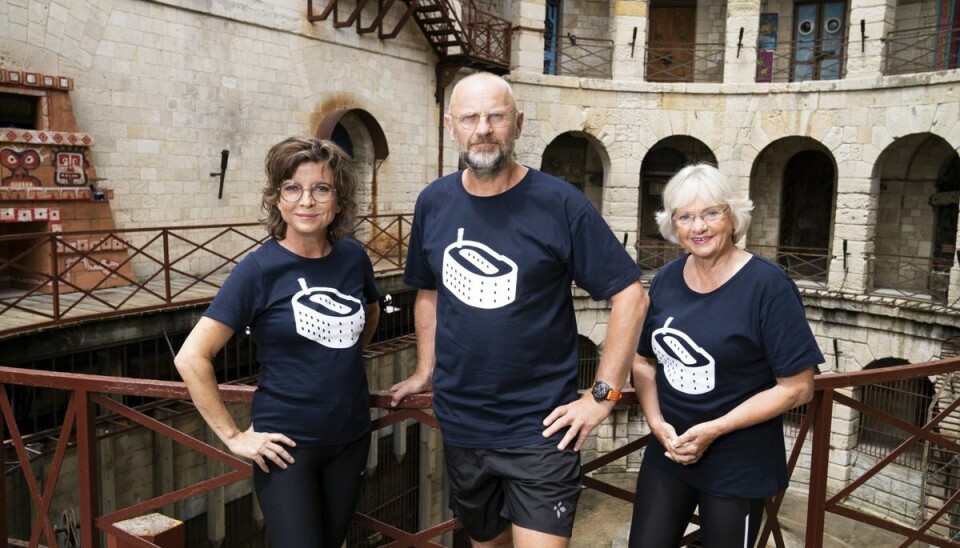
{"x": 806, "y": 213}
{"x": 945, "y": 210}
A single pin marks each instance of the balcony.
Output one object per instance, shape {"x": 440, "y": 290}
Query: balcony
{"x": 97, "y": 402}
{"x": 586, "y": 57}
{"x": 685, "y": 62}
{"x": 171, "y": 267}
{"x": 908, "y": 277}
{"x": 798, "y": 62}
{"x": 918, "y": 50}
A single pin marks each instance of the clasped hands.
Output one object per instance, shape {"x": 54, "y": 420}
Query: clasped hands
{"x": 689, "y": 447}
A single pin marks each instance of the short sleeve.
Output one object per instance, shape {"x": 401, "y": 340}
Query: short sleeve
{"x": 238, "y": 300}
{"x": 787, "y": 340}
{"x": 601, "y": 266}
{"x": 417, "y": 271}
{"x": 370, "y": 291}
{"x": 645, "y": 346}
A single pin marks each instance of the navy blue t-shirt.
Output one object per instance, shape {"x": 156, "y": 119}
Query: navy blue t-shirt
{"x": 714, "y": 351}
{"x": 305, "y": 317}
{"x": 506, "y": 337}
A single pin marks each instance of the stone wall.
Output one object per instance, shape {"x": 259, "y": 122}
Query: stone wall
{"x": 165, "y": 87}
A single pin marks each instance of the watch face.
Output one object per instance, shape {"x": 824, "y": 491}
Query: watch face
{"x": 600, "y": 390}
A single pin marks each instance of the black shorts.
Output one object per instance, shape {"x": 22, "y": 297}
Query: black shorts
{"x": 535, "y": 487}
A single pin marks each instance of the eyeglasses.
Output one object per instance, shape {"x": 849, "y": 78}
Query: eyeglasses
{"x": 495, "y": 119}
{"x": 711, "y": 216}
{"x": 291, "y": 191}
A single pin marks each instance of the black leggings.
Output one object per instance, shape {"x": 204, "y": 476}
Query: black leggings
{"x": 663, "y": 506}
{"x": 311, "y": 503}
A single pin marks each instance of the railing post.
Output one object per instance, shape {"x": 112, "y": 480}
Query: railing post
{"x": 3, "y": 486}
{"x": 819, "y": 462}
{"x": 166, "y": 265}
{"x": 87, "y": 468}
{"x": 400, "y": 241}
{"x": 55, "y": 274}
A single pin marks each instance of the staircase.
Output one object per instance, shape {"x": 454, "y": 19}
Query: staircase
{"x": 460, "y": 34}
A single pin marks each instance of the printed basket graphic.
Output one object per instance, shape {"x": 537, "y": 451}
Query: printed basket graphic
{"x": 477, "y": 275}
{"x": 687, "y": 367}
{"x": 326, "y": 316}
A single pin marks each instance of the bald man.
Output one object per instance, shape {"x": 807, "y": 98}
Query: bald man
{"x": 493, "y": 252}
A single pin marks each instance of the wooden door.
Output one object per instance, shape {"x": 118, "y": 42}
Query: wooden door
{"x": 671, "y": 44}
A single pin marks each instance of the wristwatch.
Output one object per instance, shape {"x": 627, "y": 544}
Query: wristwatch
{"x": 602, "y": 392}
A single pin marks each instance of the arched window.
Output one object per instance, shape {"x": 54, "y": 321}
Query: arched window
{"x": 907, "y": 400}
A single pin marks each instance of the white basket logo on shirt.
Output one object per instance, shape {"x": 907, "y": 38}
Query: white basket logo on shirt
{"x": 326, "y": 316}
{"x": 478, "y": 275}
{"x": 688, "y": 368}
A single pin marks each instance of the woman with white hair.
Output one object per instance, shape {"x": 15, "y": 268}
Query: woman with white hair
{"x": 725, "y": 350}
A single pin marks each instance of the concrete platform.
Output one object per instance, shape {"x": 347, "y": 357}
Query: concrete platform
{"x": 604, "y": 521}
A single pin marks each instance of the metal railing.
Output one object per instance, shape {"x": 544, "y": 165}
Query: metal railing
{"x": 90, "y": 392}
{"x": 814, "y": 60}
{"x": 653, "y": 254}
{"x": 488, "y": 36}
{"x": 918, "y": 278}
{"x": 925, "y": 49}
{"x": 685, "y": 62}
{"x": 800, "y": 263}
{"x": 585, "y": 57}
{"x": 53, "y": 278}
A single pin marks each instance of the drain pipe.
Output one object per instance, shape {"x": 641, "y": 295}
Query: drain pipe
{"x": 440, "y": 139}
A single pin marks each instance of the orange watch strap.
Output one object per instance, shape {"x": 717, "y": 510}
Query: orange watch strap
{"x": 614, "y": 395}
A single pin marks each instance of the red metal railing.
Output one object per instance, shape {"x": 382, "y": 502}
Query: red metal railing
{"x": 88, "y": 392}
{"x": 53, "y": 278}
{"x": 488, "y": 36}
{"x": 925, "y": 49}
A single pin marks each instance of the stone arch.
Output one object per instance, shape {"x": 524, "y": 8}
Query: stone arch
{"x": 580, "y": 159}
{"x": 917, "y": 191}
{"x": 660, "y": 163}
{"x": 359, "y": 133}
{"x": 793, "y": 185}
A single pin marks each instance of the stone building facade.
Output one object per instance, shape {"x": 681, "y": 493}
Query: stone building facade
{"x": 848, "y": 144}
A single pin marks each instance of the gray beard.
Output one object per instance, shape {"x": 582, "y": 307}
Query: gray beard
{"x": 486, "y": 166}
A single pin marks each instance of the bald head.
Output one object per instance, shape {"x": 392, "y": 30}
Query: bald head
{"x": 485, "y": 123}
{"x": 484, "y": 83}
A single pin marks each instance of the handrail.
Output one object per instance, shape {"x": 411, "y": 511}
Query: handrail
{"x": 90, "y": 391}
{"x": 487, "y": 35}
{"x": 684, "y": 62}
{"x": 922, "y": 49}
{"x": 68, "y": 277}
{"x": 585, "y": 57}
{"x": 814, "y": 60}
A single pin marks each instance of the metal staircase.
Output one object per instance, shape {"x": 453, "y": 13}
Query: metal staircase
{"x": 460, "y": 34}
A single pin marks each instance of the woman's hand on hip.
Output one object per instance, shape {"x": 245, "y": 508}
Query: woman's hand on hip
{"x": 261, "y": 447}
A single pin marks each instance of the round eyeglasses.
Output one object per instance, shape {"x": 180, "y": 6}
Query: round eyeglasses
{"x": 710, "y": 216}
{"x": 291, "y": 191}
{"x": 494, "y": 119}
